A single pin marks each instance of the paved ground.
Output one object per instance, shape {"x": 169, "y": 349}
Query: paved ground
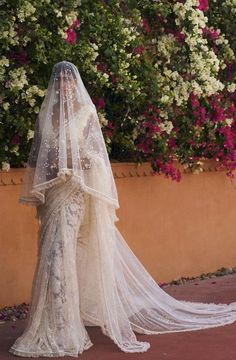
{"x": 213, "y": 344}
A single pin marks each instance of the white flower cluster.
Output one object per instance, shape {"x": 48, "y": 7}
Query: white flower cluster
{"x": 204, "y": 70}
{"x": 71, "y": 17}
{"x": 31, "y": 92}
{"x": 228, "y": 52}
{"x": 9, "y": 33}
{"x": 30, "y": 134}
{"x": 4, "y": 62}
{"x": 204, "y": 64}
{"x": 172, "y": 87}
{"x": 130, "y": 34}
{"x": 62, "y": 32}
{"x": 184, "y": 9}
{"x": 6, "y": 105}
{"x": 15, "y": 150}
{"x": 102, "y": 120}
{"x": 135, "y": 133}
{"x": 93, "y": 51}
{"x": 195, "y": 168}
{"x": 197, "y": 19}
{"x": 25, "y": 11}
{"x": 18, "y": 79}
{"x": 231, "y": 5}
{"x": 58, "y": 13}
{"x": 166, "y": 126}
{"x": 229, "y": 122}
{"x": 5, "y": 166}
{"x": 103, "y": 77}
{"x": 165, "y": 46}
{"x": 231, "y": 87}
{"x": 129, "y": 83}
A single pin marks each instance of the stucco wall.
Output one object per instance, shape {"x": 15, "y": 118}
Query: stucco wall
{"x": 175, "y": 229}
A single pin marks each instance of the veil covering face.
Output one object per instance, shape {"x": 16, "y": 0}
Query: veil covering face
{"x": 68, "y": 141}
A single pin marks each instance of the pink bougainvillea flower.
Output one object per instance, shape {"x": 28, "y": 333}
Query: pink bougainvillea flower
{"x": 218, "y": 114}
{"x": 153, "y": 108}
{"x": 211, "y": 33}
{"x": 215, "y": 49}
{"x": 109, "y": 133}
{"x": 109, "y": 129}
{"x": 203, "y": 5}
{"x": 194, "y": 100}
{"x": 101, "y": 67}
{"x": 16, "y": 139}
{"x": 139, "y": 49}
{"x": 226, "y": 131}
{"x": 172, "y": 143}
{"x": 200, "y": 115}
{"x": 191, "y": 142}
{"x": 71, "y": 36}
{"x": 114, "y": 79}
{"x": 144, "y": 147}
{"x": 76, "y": 24}
{"x": 20, "y": 57}
{"x": 179, "y": 36}
{"x": 234, "y": 155}
{"x": 155, "y": 129}
{"x": 100, "y": 103}
{"x": 230, "y": 70}
{"x": 145, "y": 25}
{"x": 169, "y": 170}
{"x": 160, "y": 18}
{"x": 110, "y": 125}
{"x": 70, "y": 32}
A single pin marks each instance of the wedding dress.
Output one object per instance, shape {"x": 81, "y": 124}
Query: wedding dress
{"x": 86, "y": 274}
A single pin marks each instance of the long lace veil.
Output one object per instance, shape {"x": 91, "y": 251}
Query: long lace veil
{"x": 68, "y": 141}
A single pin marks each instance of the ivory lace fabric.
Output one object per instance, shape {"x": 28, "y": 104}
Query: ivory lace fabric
{"x": 86, "y": 274}
{"x": 67, "y": 140}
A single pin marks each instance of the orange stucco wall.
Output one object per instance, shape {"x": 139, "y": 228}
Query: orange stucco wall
{"x": 175, "y": 229}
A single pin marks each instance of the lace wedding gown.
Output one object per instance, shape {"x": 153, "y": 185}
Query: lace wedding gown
{"x": 86, "y": 275}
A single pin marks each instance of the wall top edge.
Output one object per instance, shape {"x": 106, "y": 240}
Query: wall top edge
{"x": 120, "y": 170}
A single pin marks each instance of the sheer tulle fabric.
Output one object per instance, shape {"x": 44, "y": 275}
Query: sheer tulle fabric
{"x": 86, "y": 273}
{"x": 68, "y": 141}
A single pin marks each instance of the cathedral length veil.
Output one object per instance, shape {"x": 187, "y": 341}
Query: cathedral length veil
{"x": 116, "y": 291}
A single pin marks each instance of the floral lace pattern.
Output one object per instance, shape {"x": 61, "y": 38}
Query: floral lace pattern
{"x": 54, "y": 325}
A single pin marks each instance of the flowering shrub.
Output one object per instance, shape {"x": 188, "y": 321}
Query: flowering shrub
{"x": 161, "y": 74}
{"x": 32, "y": 39}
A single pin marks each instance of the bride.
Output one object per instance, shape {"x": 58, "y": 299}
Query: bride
{"x": 86, "y": 275}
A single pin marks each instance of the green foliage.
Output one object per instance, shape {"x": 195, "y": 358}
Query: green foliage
{"x": 132, "y": 55}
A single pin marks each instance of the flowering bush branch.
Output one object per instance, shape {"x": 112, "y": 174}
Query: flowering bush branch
{"x": 161, "y": 74}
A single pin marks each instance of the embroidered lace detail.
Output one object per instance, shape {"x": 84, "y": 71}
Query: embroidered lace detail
{"x": 55, "y": 327}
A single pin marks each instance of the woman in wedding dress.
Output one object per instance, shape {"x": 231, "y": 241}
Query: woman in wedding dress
{"x": 86, "y": 274}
